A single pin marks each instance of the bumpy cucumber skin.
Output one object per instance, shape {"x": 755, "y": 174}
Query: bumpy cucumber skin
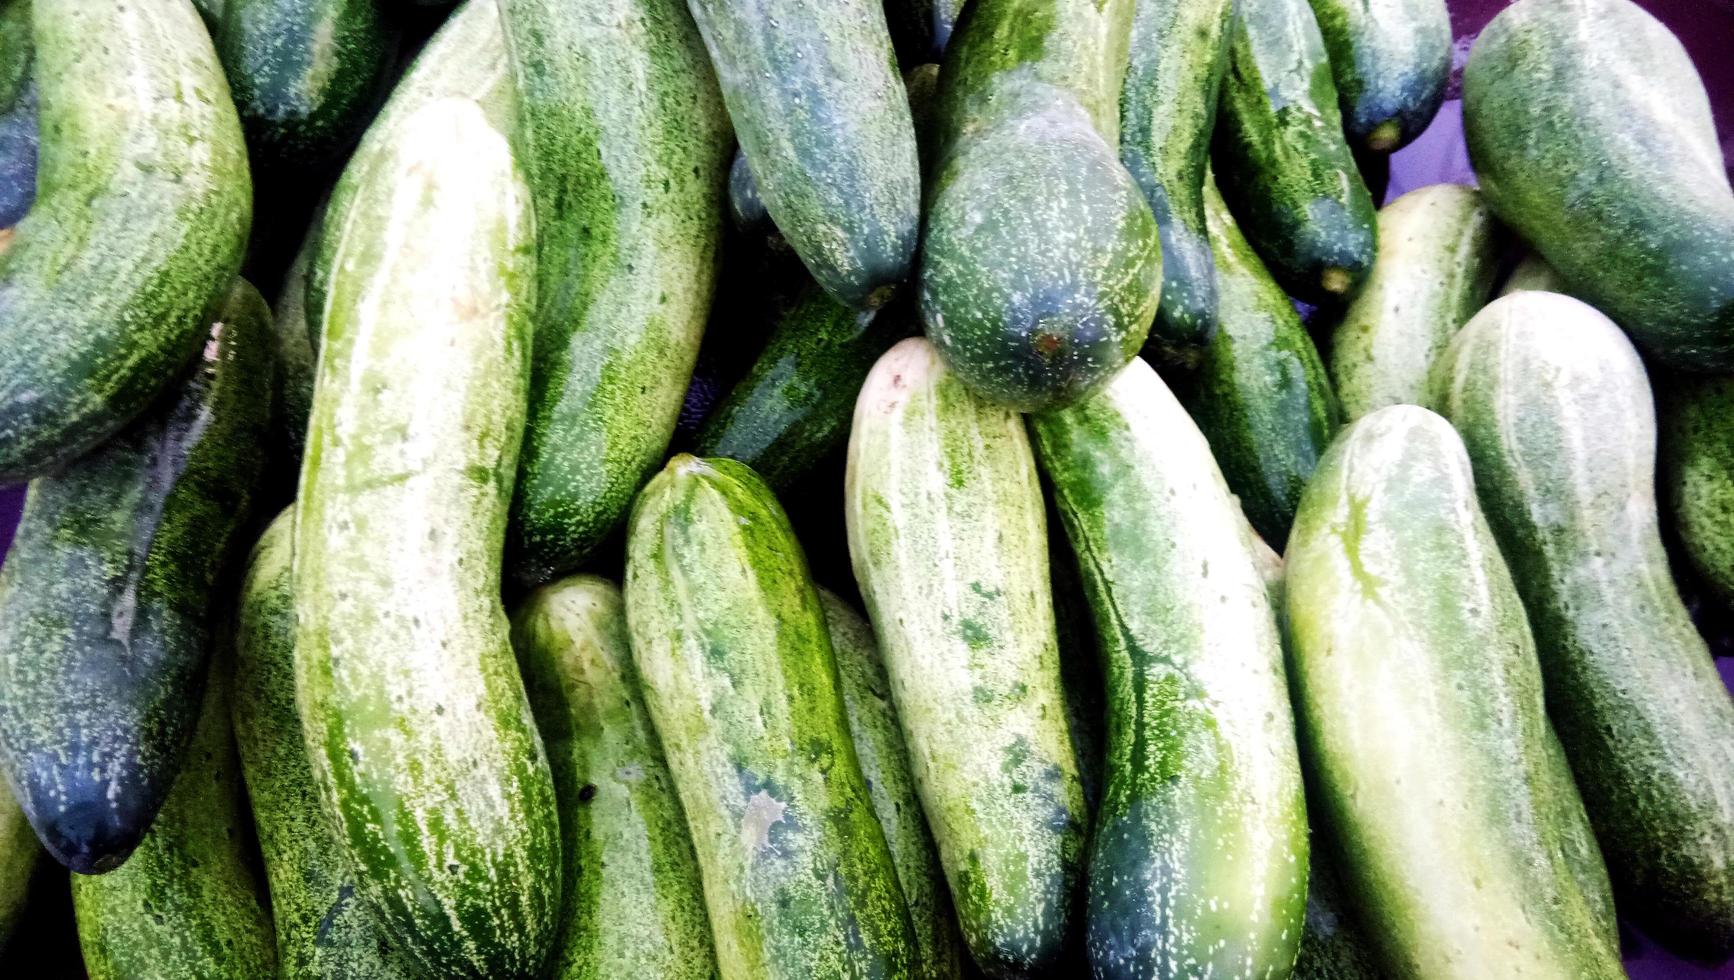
{"x": 1282, "y": 160}
{"x": 1179, "y": 51}
{"x": 142, "y": 212}
{"x": 1199, "y": 857}
{"x": 1438, "y": 256}
{"x": 420, "y": 735}
{"x": 1332, "y": 944}
{"x": 1555, "y": 409}
{"x": 187, "y": 904}
{"x": 106, "y": 607}
{"x": 949, "y": 544}
{"x": 634, "y": 905}
{"x": 1415, "y": 671}
{"x": 323, "y": 927}
{"x": 1591, "y": 136}
{"x": 1391, "y": 60}
{"x": 731, "y": 646}
{"x": 1261, "y": 394}
{"x": 1698, "y": 474}
{"x": 625, "y": 140}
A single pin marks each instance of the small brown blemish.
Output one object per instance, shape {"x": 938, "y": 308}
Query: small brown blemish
{"x": 587, "y": 794}
{"x": 1047, "y": 344}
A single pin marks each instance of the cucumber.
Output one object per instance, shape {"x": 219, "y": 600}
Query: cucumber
{"x": 730, "y": 642}
{"x": 1533, "y": 272}
{"x": 1591, "y": 135}
{"x": 187, "y": 904}
{"x": 949, "y": 545}
{"x": 306, "y": 75}
{"x": 1282, "y": 160}
{"x": 1261, "y": 394}
{"x": 626, "y": 145}
{"x": 142, "y": 213}
{"x": 297, "y": 358}
{"x": 1697, "y": 475}
{"x": 1041, "y": 267}
{"x": 634, "y": 905}
{"x": 1332, "y": 944}
{"x": 1391, "y": 60}
{"x": 323, "y": 928}
{"x": 1199, "y": 858}
{"x": 20, "y": 856}
{"x": 814, "y": 95}
{"x": 427, "y": 759}
{"x": 1438, "y": 255}
{"x": 1555, "y": 409}
{"x": 1179, "y": 51}
{"x": 885, "y": 765}
{"x": 1420, "y": 706}
{"x": 106, "y": 605}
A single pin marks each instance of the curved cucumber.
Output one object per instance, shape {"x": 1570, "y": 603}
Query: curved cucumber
{"x": 1698, "y": 474}
{"x": 1391, "y": 60}
{"x": 731, "y": 646}
{"x": 1438, "y": 255}
{"x": 949, "y": 544}
{"x": 427, "y": 760}
{"x": 1415, "y": 671}
{"x": 142, "y": 211}
{"x": 1199, "y": 860}
{"x": 1556, "y": 412}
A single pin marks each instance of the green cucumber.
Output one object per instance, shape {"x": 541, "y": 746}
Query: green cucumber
{"x": 16, "y": 52}
{"x": 1332, "y": 944}
{"x": 1419, "y": 699}
{"x": 1697, "y": 475}
{"x": 1179, "y": 51}
{"x": 1391, "y": 60}
{"x": 187, "y": 904}
{"x": 1533, "y": 272}
{"x": 141, "y": 216}
{"x": 20, "y": 855}
{"x": 1041, "y": 267}
{"x": 1282, "y": 159}
{"x": 949, "y": 543}
{"x": 323, "y": 927}
{"x": 1438, "y": 255}
{"x": 1555, "y": 409}
{"x": 634, "y": 905}
{"x": 1261, "y": 394}
{"x": 427, "y": 759}
{"x": 626, "y": 145}
{"x": 731, "y": 646}
{"x": 823, "y": 120}
{"x": 17, "y": 115}
{"x": 1591, "y": 136}
{"x": 1199, "y": 858}
{"x": 106, "y": 605}
{"x": 1080, "y": 666}
{"x": 211, "y": 12}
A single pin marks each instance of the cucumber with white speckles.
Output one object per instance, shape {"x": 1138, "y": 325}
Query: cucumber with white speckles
{"x": 421, "y": 739}
{"x": 1391, "y": 60}
{"x": 735, "y": 662}
{"x": 1697, "y": 474}
{"x": 948, "y": 539}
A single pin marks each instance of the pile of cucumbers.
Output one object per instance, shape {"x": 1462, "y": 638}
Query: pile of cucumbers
{"x": 870, "y": 489}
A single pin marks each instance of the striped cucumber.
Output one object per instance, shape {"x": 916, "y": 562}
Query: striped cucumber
{"x": 1555, "y": 410}
{"x": 626, "y": 144}
{"x": 1419, "y": 699}
{"x": 426, "y": 757}
{"x": 142, "y": 211}
{"x": 1533, "y": 272}
{"x": 949, "y": 544}
{"x": 1391, "y": 60}
{"x": 106, "y": 599}
{"x": 1697, "y": 474}
{"x": 730, "y": 642}
{"x": 1198, "y": 864}
{"x": 1438, "y": 255}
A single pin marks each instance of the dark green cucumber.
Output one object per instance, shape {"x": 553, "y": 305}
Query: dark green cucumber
{"x": 16, "y": 50}
{"x": 1591, "y": 136}
{"x": 1261, "y": 394}
{"x": 141, "y": 216}
{"x": 1697, "y": 474}
{"x": 1282, "y": 160}
{"x": 1179, "y": 52}
{"x": 625, "y": 141}
{"x": 1391, "y": 60}
{"x": 187, "y": 904}
{"x": 106, "y": 604}
{"x": 732, "y": 649}
{"x": 1332, "y": 945}
{"x": 323, "y": 926}
{"x": 20, "y": 855}
{"x": 634, "y": 904}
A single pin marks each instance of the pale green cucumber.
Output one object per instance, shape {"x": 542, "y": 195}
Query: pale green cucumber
{"x": 1533, "y": 272}
{"x": 1698, "y": 474}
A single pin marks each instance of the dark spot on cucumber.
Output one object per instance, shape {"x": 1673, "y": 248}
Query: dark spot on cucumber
{"x": 587, "y": 793}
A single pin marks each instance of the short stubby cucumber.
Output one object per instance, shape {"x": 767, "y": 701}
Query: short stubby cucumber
{"x": 1419, "y": 702}
{"x": 421, "y": 739}
{"x": 949, "y": 543}
{"x": 1391, "y": 60}
{"x": 1697, "y": 474}
{"x": 1555, "y": 409}
{"x": 142, "y": 211}
{"x": 735, "y": 661}
{"x": 1438, "y": 255}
